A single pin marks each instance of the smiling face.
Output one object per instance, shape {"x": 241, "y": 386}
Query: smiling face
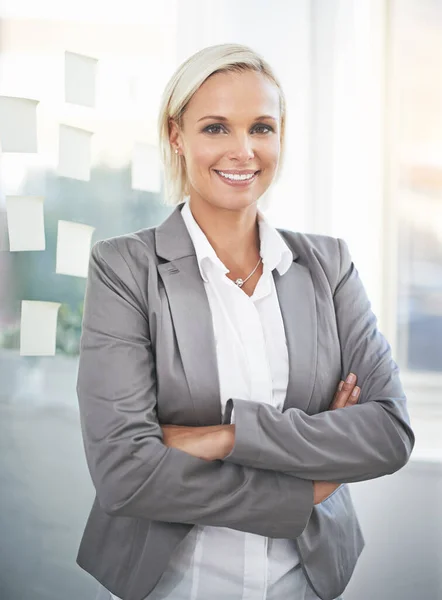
{"x": 246, "y": 138}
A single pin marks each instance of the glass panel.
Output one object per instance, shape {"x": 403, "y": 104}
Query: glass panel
{"x": 75, "y": 111}
{"x": 416, "y": 34}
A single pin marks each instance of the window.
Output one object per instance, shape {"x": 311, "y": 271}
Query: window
{"x": 416, "y": 190}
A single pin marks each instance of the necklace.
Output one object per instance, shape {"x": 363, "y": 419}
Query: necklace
{"x": 240, "y": 282}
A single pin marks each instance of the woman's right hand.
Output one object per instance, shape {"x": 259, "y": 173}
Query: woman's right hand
{"x": 342, "y": 398}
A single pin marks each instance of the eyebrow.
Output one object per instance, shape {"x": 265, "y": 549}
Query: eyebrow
{"x": 221, "y": 118}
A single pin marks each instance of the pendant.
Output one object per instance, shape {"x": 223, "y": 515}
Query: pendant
{"x": 239, "y": 282}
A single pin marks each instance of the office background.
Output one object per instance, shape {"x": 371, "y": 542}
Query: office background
{"x": 79, "y": 94}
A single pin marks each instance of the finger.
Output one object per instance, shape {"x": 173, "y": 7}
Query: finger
{"x": 335, "y": 397}
{"x": 347, "y": 397}
{"x": 343, "y": 394}
{"x": 354, "y": 396}
{"x": 338, "y": 389}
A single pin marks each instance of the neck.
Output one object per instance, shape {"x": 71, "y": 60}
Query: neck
{"x": 233, "y": 234}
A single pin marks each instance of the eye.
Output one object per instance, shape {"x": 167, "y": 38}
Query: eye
{"x": 210, "y": 128}
{"x": 265, "y": 127}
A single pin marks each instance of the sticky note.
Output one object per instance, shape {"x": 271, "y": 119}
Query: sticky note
{"x": 74, "y": 152}
{"x": 73, "y": 248}
{"x": 80, "y": 77}
{"x": 18, "y": 124}
{"x": 25, "y": 222}
{"x": 38, "y": 328}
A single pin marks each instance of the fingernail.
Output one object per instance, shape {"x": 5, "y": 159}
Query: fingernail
{"x": 340, "y": 385}
{"x": 355, "y": 392}
{"x": 351, "y": 378}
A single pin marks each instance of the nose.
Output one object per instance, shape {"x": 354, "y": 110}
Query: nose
{"x": 241, "y": 148}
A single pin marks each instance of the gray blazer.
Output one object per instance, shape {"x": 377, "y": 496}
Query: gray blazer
{"x": 148, "y": 357}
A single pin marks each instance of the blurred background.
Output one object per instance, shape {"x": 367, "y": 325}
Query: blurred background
{"x": 80, "y": 85}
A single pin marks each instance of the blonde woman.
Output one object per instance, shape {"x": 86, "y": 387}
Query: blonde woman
{"x": 217, "y": 380}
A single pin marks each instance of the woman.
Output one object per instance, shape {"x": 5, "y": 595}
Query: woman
{"x": 211, "y": 352}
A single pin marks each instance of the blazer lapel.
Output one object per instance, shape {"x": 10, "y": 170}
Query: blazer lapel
{"x": 191, "y": 315}
{"x": 192, "y": 320}
{"x": 193, "y": 325}
{"x": 297, "y": 302}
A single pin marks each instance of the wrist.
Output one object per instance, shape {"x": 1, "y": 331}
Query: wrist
{"x": 227, "y": 441}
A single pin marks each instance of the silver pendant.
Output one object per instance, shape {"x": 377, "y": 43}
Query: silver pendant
{"x": 239, "y": 282}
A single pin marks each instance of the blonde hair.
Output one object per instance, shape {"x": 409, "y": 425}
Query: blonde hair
{"x": 183, "y": 84}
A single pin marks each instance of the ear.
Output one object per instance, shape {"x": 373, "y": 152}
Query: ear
{"x": 174, "y": 133}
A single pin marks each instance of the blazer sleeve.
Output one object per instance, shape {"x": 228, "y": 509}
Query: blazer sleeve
{"x": 368, "y": 440}
{"x": 134, "y": 473}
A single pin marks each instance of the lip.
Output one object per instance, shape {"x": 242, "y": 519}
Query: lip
{"x": 244, "y": 183}
{"x": 238, "y": 171}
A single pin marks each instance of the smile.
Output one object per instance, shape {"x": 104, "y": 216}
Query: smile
{"x": 237, "y": 180}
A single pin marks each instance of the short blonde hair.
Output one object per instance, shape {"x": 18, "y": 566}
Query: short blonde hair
{"x": 183, "y": 84}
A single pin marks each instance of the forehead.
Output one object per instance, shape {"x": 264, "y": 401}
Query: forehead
{"x": 233, "y": 94}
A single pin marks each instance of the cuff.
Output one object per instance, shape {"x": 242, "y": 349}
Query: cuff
{"x": 227, "y": 419}
{"x": 247, "y": 446}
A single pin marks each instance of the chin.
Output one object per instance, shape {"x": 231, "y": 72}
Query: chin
{"x": 232, "y": 203}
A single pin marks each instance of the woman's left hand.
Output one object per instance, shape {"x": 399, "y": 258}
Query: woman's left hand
{"x": 212, "y": 442}
{"x": 347, "y": 394}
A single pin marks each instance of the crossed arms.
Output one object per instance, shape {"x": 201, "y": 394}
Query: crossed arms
{"x": 265, "y": 484}
{"x": 217, "y": 441}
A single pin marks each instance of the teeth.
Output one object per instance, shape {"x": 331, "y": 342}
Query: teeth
{"x": 236, "y": 177}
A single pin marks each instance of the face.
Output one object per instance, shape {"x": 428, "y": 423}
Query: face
{"x": 246, "y": 138}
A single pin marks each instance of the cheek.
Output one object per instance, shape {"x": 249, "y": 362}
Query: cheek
{"x": 274, "y": 150}
{"x": 267, "y": 152}
{"x": 204, "y": 157}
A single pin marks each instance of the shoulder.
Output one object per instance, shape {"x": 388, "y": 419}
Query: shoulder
{"x": 308, "y": 243}
{"x": 138, "y": 241}
{"x": 320, "y": 252}
{"x": 134, "y": 249}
